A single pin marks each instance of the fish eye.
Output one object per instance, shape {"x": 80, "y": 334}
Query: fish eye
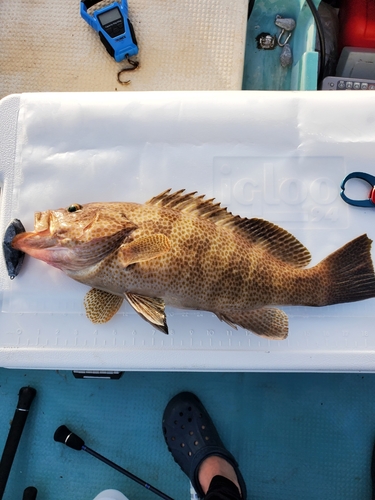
{"x": 74, "y": 207}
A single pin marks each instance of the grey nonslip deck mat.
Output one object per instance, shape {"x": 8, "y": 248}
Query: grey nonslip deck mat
{"x": 305, "y": 436}
{"x": 46, "y": 46}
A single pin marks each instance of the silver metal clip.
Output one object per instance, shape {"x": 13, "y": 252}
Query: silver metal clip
{"x": 287, "y": 25}
{"x": 279, "y": 42}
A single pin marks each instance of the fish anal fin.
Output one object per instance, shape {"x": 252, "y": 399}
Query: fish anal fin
{"x": 267, "y": 322}
{"x": 151, "y": 309}
{"x": 143, "y": 248}
{"x": 101, "y": 306}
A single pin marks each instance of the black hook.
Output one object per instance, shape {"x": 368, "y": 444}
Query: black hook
{"x": 133, "y": 65}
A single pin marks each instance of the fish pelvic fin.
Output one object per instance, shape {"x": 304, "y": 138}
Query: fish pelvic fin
{"x": 267, "y": 322}
{"x": 143, "y": 249}
{"x": 151, "y": 309}
{"x": 277, "y": 241}
{"x": 101, "y": 306}
{"x": 347, "y": 275}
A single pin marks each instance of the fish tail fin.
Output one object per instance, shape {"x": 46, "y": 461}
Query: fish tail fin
{"x": 349, "y": 273}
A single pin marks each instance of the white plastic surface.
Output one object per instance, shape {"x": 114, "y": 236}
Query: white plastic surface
{"x": 281, "y": 156}
{"x": 111, "y": 495}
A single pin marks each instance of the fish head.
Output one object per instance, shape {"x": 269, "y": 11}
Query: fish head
{"x": 76, "y": 237}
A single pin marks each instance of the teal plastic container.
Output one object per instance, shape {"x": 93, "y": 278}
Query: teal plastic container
{"x": 262, "y": 69}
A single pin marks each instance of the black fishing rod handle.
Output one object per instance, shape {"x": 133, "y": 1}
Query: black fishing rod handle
{"x": 30, "y": 493}
{"x": 26, "y": 396}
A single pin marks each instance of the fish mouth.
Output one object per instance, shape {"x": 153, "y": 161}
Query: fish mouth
{"x": 38, "y": 245}
{"x": 48, "y": 232}
{"x": 72, "y": 242}
{"x": 64, "y": 253}
{"x": 32, "y": 240}
{"x": 40, "y": 238}
{"x": 44, "y": 247}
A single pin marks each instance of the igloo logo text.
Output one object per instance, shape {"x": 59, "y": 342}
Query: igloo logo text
{"x": 298, "y": 190}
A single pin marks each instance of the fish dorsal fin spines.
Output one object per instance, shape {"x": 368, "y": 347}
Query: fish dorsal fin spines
{"x": 279, "y": 242}
{"x": 190, "y": 203}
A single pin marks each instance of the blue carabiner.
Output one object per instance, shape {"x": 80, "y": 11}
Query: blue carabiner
{"x": 370, "y": 179}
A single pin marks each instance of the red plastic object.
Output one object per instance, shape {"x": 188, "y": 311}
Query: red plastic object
{"x": 357, "y": 24}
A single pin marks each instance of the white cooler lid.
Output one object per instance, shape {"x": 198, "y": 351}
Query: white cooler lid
{"x": 277, "y": 155}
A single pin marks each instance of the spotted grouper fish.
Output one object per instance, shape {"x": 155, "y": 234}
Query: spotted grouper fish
{"x": 181, "y": 250}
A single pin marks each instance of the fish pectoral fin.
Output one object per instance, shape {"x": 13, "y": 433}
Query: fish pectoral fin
{"x": 266, "y": 322}
{"x": 143, "y": 248}
{"x": 151, "y": 309}
{"x": 101, "y": 306}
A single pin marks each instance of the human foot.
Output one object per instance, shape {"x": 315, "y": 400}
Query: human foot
{"x": 195, "y": 444}
{"x": 216, "y": 466}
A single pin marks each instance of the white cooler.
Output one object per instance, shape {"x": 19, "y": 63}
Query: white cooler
{"x": 277, "y": 155}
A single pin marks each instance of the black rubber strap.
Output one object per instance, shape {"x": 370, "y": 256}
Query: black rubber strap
{"x": 90, "y": 3}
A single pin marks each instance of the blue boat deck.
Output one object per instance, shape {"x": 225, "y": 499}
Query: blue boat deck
{"x": 300, "y": 435}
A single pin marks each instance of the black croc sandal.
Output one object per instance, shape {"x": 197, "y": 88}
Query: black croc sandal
{"x": 191, "y": 437}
